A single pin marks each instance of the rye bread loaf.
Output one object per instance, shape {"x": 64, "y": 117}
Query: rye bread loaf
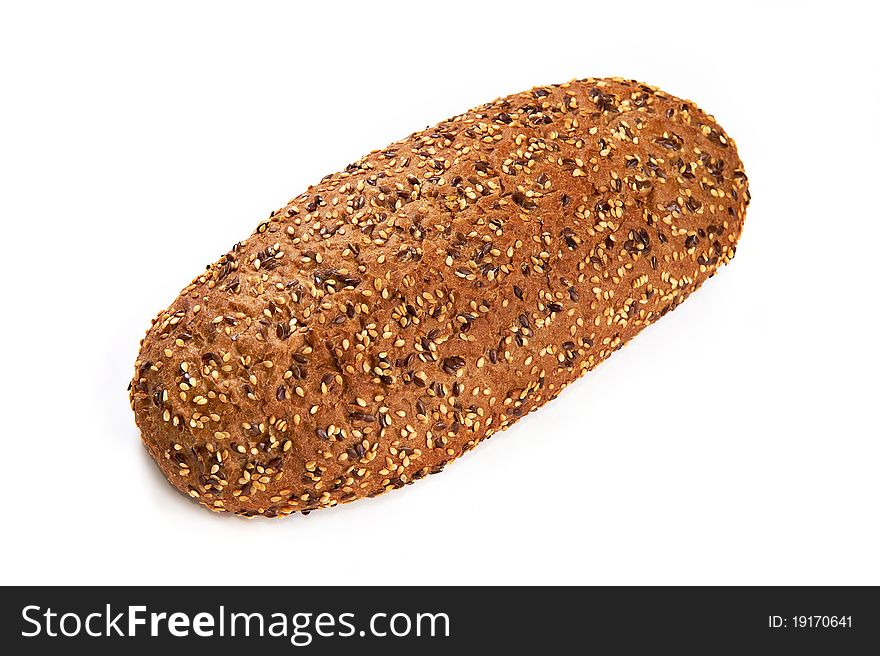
{"x": 400, "y": 311}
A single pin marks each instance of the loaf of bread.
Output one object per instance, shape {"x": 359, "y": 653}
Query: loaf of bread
{"x": 400, "y": 311}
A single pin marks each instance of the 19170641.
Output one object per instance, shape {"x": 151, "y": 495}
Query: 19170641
{"x": 810, "y": 622}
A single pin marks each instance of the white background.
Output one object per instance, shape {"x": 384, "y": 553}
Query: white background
{"x": 139, "y": 142}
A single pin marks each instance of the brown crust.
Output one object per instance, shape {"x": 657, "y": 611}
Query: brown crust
{"x": 397, "y": 313}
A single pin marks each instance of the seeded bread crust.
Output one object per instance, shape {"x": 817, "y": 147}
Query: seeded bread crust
{"x": 394, "y": 315}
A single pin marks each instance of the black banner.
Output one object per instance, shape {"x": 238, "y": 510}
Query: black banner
{"x": 438, "y": 620}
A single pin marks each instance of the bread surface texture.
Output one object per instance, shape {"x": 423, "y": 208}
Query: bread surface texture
{"x": 395, "y": 314}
